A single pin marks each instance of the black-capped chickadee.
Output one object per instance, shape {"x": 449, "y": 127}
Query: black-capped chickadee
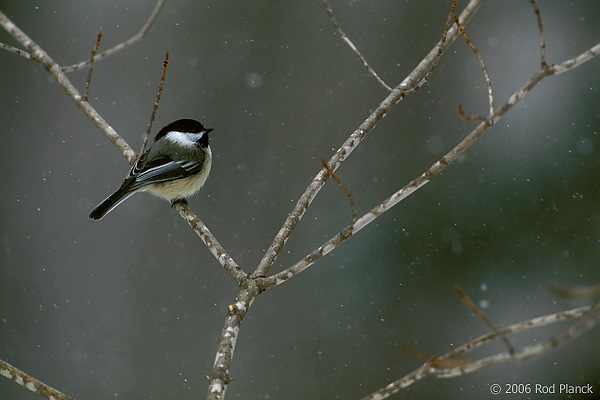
{"x": 174, "y": 167}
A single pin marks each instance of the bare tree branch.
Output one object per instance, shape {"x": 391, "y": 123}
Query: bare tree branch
{"x": 220, "y": 375}
{"x": 26, "y": 380}
{"x": 252, "y": 285}
{"x": 428, "y": 175}
{"x": 397, "y": 94}
{"x": 39, "y": 55}
{"x": 442, "y": 369}
{"x": 135, "y": 38}
{"x": 211, "y": 242}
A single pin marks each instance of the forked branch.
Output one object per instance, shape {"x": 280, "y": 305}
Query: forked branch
{"x": 454, "y": 364}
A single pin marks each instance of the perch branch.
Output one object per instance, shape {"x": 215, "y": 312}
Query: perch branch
{"x": 211, "y": 242}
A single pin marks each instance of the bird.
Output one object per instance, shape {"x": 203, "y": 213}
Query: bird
{"x": 175, "y": 166}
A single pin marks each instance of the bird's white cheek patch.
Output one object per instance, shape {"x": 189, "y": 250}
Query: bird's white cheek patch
{"x": 183, "y": 138}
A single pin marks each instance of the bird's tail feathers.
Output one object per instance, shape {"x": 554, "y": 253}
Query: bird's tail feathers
{"x": 111, "y": 202}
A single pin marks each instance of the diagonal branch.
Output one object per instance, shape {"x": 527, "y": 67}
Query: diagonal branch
{"x": 26, "y": 380}
{"x": 211, "y": 242}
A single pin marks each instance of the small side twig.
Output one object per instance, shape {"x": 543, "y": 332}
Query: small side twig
{"x": 574, "y": 293}
{"x": 158, "y": 94}
{"x": 485, "y": 73}
{"x": 89, "y": 78}
{"x": 344, "y": 188}
{"x": 138, "y": 36}
{"x": 353, "y": 47}
{"x": 432, "y": 360}
{"x": 538, "y": 16}
{"x": 479, "y": 312}
{"x": 15, "y": 50}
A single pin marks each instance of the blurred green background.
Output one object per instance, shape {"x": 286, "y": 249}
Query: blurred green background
{"x": 132, "y": 307}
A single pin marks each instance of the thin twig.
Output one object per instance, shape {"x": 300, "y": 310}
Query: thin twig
{"x": 15, "y": 50}
{"x": 466, "y": 117}
{"x": 343, "y": 187}
{"x": 31, "y": 383}
{"x": 138, "y": 36}
{"x": 538, "y": 16}
{"x": 158, "y": 94}
{"x": 485, "y": 73}
{"x": 432, "y": 360}
{"x": 479, "y": 312}
{"x": 353, "y": 47}
{"x": 89, "y": 78}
